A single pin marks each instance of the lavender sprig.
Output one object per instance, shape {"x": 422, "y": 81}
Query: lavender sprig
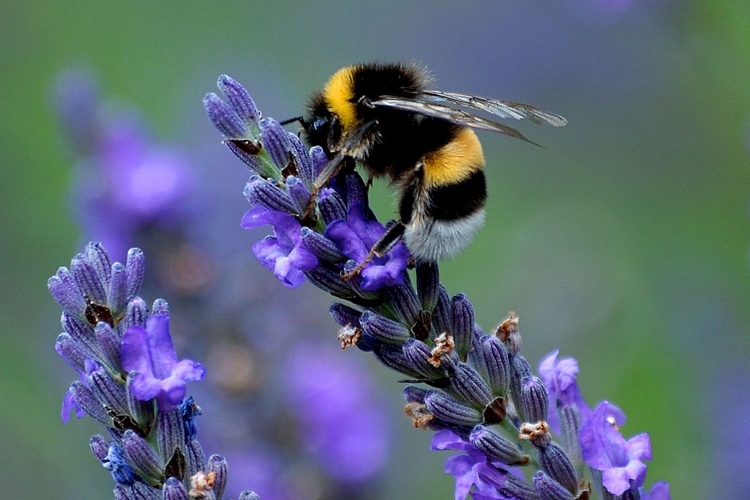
{"x": 131, "y": 382}
{"x": 476, "y": 390}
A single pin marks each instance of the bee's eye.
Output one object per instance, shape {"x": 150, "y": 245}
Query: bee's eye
{"x": 319, "y": 123}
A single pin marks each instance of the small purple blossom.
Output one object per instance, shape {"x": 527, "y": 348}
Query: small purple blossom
{"x": 355, "y": 236}
{"x": 283, "y": 252}
{"x": 150, "y": 354}
{"x": 559, "y": 376}
{"x": 659, "y": 491}
{"x": 471, "y": 469}
{"x": 605, "y": 449}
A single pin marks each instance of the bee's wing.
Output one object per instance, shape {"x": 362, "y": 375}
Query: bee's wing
{"x": 497, "y": 107}
{"x": 458, "y": 116}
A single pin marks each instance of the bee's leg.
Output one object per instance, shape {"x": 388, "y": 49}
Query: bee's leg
{"x": 392, "y": 235}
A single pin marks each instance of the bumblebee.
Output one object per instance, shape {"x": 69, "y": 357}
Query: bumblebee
{"x": 386, "y": 118}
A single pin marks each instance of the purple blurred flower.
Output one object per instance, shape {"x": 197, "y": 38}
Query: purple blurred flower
{"x": 355, "y": 236}
{"x": 342, "y": 425}
{"x": 149, "y": 352}
{"x": 559, "y": 376}
{"x": 605, "y": 449}
{"x": 123, "y": 182}
{"x": 283, "y": 252}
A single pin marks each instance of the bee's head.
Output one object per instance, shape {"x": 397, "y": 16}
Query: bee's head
{"x": 322, "y": 128}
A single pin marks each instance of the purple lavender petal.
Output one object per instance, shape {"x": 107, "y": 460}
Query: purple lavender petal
{"x": 148, "y": 354}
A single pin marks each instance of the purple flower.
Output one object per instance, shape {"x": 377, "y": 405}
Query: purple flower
{"x": 124, "y": 181}
{"x": 559, "y": 376}
{"x": 604, "y": 448}
{"x": 149, "y": 352}
{"x": 355, "y": 236}
{"x": 471, "y": 469}
{"x": 343, "y": 424}
{"x": 659, "y": 491}
{"x": 283, "y": 252}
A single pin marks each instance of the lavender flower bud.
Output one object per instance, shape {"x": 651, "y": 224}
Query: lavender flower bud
{"x": 99, "y": 447}
{"x": 466, "y": 382}
{"x": 249, "y": 495}
{"x": 239, "y": 100}
{"x": 450, "y": 410}
{"x": 330, "y": 281}
{"x": 496, "y": 447}
{"x": 136, "y": 314}
{"x": 414, "y": 394}
{"x": 441, "y": 315}
{"x": 86, "y": 401}
{"x": 498, "y": 365}
{"x": 107, "y": 391}
{"x": 570, "y": 426}
{"x": 394, "y": 358}
{"x": 462, "y": 324}
{"x": 276, "y": 141}
{"x": 118, "y": 290}
{"x": 142, "y": 458}
{"x": 549, "y": 489}
{"x": 81, "y": 333}
{"x": 556, "y": 463}
{"x": 345, "y": 315}
{"x": 143, "y": 412}
{"x": 534, "y": 400}
{"x": 160, "y": 307}
{"x": 98, "y": 257}
{"x": 72, "y": 351}
{"x": 170, "y": 433}
{"x": 475, "y": 356}
{"x": 224, "y": 117}
{"x": 428, "y": 285}
{"x": 519, "y": 368}
{"x": 320, "y": 246}
{"x": 331, "y": 206}
{"x": 260, "y": 191}
{"x": 319, "y": 160}
{"x": 174, "y": 490}
{"x": 302, "y": 158}
{"x": 195, "y": 458}
{"x": 135, "y": 266}
{"x": 418, "y": 354}
{"x": 218, "y": 466}
{"x": 299, "y": 193}
{"x": 405, "y": 303}
{"x": 88, "y": 280}
{"x": 64, "y": 289}
{"x": 384, "y": 329}
{"x": 109, "y": 346}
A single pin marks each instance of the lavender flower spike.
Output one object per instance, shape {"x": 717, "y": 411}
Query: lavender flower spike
{"x": 478, "y": 392}
{"x": 131, "y": 382}
{"x": 148, "y": 354}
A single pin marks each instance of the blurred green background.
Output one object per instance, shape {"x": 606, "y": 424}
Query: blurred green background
{"x": 624, "y": 242}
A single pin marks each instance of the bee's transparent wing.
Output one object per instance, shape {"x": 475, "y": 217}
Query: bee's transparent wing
{"x": 458, "y": 116}
{"x": 498, "y": 107}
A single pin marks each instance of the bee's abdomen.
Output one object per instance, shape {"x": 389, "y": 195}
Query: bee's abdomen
{"x": 457, "y": 200}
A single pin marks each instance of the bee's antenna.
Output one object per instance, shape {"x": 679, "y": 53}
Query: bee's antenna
{"x": 300, "y": 119}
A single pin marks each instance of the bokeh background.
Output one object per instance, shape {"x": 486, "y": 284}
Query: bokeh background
{"x": 624, "y": 242}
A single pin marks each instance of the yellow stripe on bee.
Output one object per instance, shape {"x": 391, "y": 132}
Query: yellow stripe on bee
{"x": 338, "y": 94}
{"x": 455, "y": 161}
